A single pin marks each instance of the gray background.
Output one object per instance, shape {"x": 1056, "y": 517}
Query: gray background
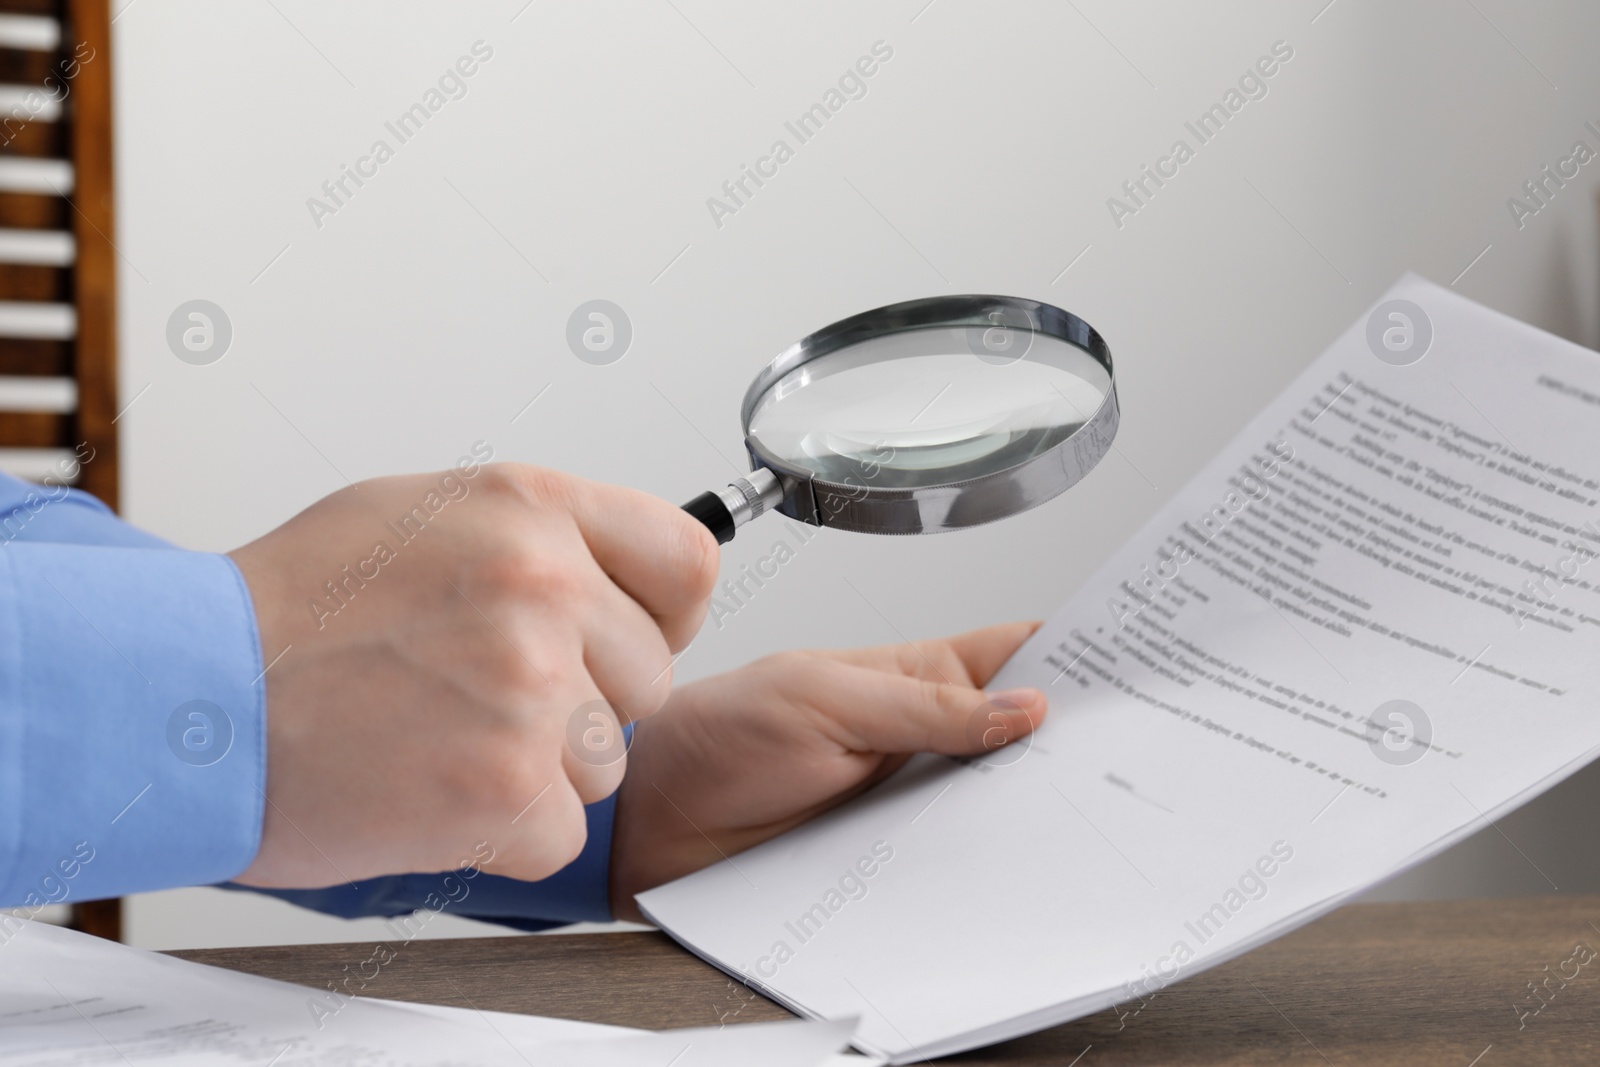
{"x": 433, "y": 306}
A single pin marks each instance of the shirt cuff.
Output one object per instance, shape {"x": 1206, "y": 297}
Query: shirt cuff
{"x": 132, "y": 725}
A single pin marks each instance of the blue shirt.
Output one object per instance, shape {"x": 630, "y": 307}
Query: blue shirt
{"x": 133, "y": 730}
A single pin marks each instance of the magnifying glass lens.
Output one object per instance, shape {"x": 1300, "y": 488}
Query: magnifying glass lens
{"x": 929, "y": 406}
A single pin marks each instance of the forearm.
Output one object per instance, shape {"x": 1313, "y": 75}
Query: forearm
{"x": 106, "y": 632}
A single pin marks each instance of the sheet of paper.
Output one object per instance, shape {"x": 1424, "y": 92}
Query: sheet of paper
{"x": 1368, "y": 626}
{"x": 532, "y": 1028}
{"x": 537, "y": 1028}
{"x": 67, "y": 999}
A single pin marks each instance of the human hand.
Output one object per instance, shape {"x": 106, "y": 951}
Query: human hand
{"x": 441, "y": 631}
{"x": 738, "y": 758}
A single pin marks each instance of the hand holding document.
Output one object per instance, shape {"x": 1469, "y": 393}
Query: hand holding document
{"x": 1360, "y": 633}
{"x": 68, "y": 999}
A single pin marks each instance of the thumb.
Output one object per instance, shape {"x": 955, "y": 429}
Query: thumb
{"x": 894, "y": 713}
{"x": 1004, "y": 716}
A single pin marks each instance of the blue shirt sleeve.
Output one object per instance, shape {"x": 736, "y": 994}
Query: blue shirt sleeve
{"x": 131, "y": 744}
{"x": 133, "y": 730}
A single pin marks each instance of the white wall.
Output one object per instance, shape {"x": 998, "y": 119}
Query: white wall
{"x": 412, "y": 323}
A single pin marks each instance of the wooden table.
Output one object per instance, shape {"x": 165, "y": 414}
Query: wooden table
{"x": 1371, "y": 984}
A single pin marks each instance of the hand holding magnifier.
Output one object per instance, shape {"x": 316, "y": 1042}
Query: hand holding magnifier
{"x": 923, "y": 416}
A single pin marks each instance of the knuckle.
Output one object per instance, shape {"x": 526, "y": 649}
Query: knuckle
{"x": 510, "y": 672}
{"x": 518, "y": 575}
{"x": 931, "y": 660}
{"x": 500, "y": 480}
{"x": 546, "y": 489}
{"x": 793, "y": 665}
{"x": 940, "y": 697}
{"x": 528, "y": 491}
{"x": 507, "y": 776}
{"x": 524, "y": 481}
{"x": 557, "y": 579}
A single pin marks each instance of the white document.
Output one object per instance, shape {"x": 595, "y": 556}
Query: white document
{"x": 67, "y": 999}
{"x": 539, "y": 1028}
{"x": 1370, "y": 625}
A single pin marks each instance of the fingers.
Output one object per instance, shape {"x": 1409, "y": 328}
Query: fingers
{"x": 879, "y": 711}
{"x": 626, "y": 653}
{"x": 594, "y": 749}
{"x": 971, "y": 658}
{"x": 572, "y": 717}
{"x": 983, "y": 652}
{"x": 653, "y": 551}
{"x": 544, "y": 837}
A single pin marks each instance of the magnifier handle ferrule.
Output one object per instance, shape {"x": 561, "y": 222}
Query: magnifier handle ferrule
{"x": 725, "y": 510}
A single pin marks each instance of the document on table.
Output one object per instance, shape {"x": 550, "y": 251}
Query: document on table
{"x": 67, "y": 999}
{"x": 1365, "y": 629}
{"x": 533, "y": 1029}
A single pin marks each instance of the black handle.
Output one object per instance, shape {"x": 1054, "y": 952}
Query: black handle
{"x": 713, "y": 515}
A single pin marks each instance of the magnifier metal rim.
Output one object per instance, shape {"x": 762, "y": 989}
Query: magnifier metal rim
{"x": 865, "y": 508}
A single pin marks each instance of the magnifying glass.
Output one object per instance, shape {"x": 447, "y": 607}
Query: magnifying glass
{"x": 922, "y": 416}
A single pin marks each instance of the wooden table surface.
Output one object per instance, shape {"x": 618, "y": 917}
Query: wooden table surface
{"x": 1411, "y": 984}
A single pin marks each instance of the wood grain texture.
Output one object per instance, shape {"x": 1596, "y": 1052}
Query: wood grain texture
{"x": 35, "y": 356}
{"x": 22, "y": 66}
{"x": 1372, "y": 984}
{"x": 23, "y": 138}
{"x": 102, "y": 918}
{"x": 32, "y": 212}
{"x": 29, "y": 281}
{"x": 95, "y": 272}
{"x": 35, "y": 429}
